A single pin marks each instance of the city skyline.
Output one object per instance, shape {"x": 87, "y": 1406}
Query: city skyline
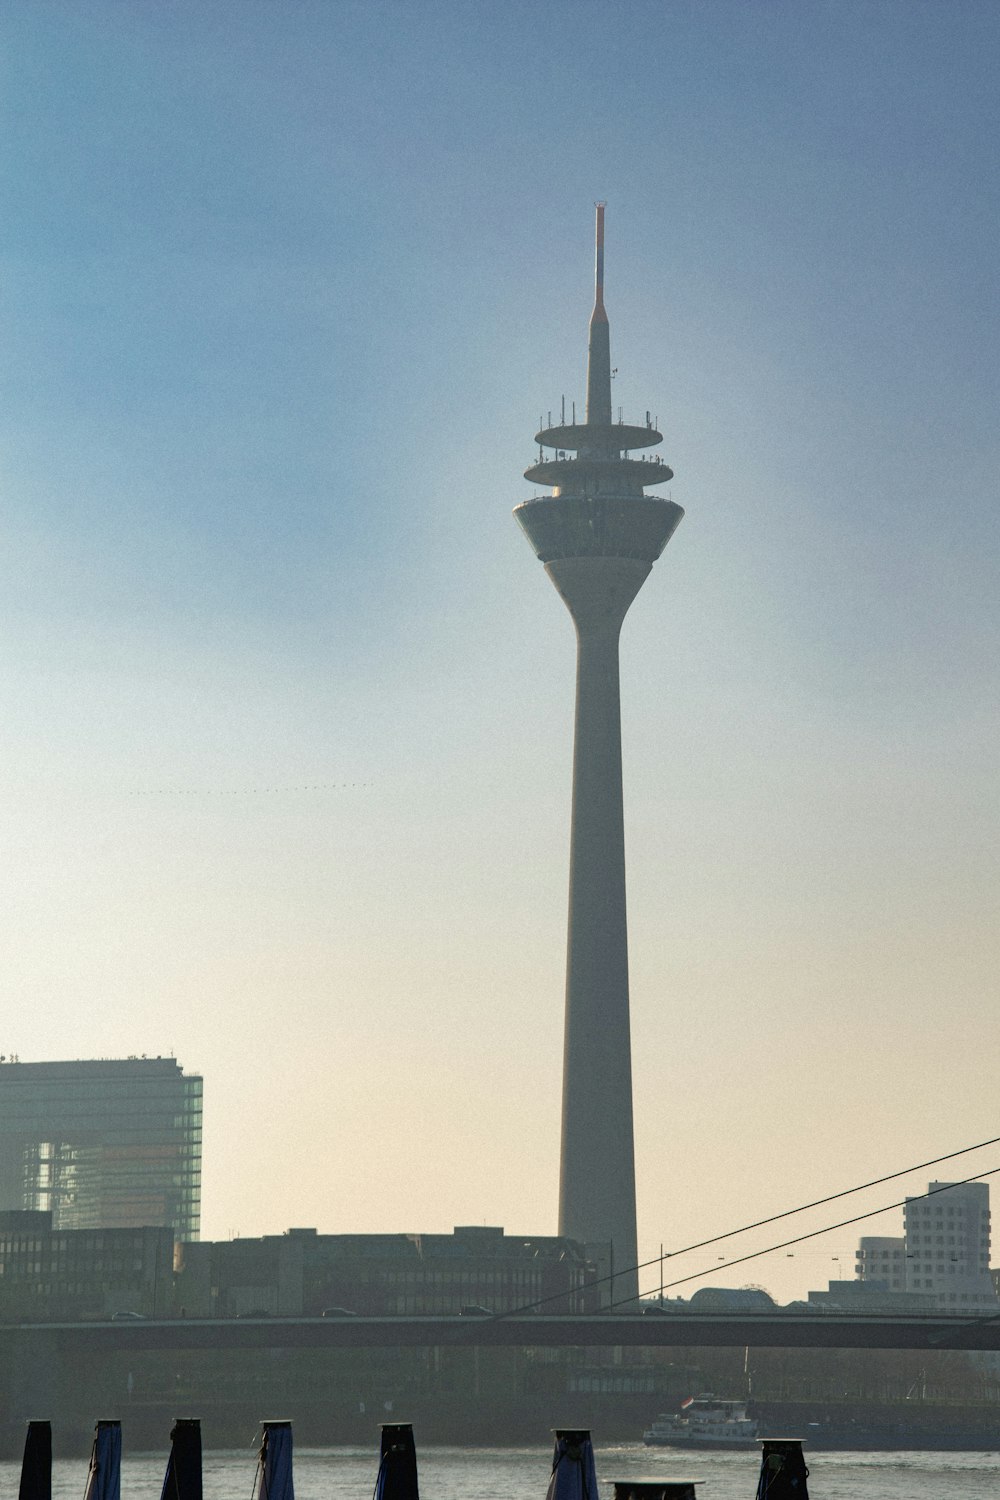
{"x": 283, "y": 298}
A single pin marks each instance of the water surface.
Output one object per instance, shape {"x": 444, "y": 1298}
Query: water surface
{"x": 448, "y": 1473}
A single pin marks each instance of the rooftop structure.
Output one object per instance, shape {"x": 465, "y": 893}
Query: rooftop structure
{"x": 110, "y": 1143}
{"x": 598, "y": 534}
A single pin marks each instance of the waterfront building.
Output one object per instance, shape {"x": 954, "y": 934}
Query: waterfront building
{"x": 598, "y": 534}
{"x": 881, "y": 1258}
{"x": 943, "y": 1255}
{"x": 731, "y": 1299}
{"x": 103, "y": 1144}
{"x": 869, "y": 1296}
{"x": 302, "y": 1273}
{"x": 49, "y": 1274}
{"x": 948, "y": 1245}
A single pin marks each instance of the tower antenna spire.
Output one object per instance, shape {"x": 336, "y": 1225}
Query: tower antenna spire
{"x": 599, "y": 261}
{"x": 599, "y": 349}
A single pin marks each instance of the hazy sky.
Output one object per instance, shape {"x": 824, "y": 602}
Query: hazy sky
{"x": 287, "y": 701}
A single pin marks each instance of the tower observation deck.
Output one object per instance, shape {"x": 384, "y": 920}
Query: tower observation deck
{"x": 598, "y": 534}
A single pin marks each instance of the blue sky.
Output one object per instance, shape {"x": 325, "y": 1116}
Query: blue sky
{"x": 285, "y": 290}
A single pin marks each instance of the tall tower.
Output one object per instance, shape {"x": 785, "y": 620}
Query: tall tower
{"x": 598, "y": 535}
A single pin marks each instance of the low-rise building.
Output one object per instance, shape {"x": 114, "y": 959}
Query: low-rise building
{"x": 51, "y": 1274}
{"x": 869, "y": 1296}
{"x": 302, "y": 1273}
{"x": 731, "y": 1299}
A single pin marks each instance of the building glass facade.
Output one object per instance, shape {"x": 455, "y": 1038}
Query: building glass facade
{"x": 103, "y": 1144}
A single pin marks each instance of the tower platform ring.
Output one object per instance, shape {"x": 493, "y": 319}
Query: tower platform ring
{"x": 636, "y": 526}
{"x": 566, "y": 473}
{"x": 618, "y": 435}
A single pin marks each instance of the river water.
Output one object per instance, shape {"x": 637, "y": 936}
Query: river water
{"x": 522, "y": 1474}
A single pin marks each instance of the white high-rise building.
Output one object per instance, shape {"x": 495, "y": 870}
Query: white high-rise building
{"x": 944, "y": 1253}
{"x": 947, "y": 1237}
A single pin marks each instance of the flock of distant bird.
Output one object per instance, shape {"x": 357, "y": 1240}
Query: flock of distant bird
{"x": 246, "y": 791}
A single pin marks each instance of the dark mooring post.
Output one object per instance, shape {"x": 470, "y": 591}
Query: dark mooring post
{"x": 574, "y": 1476}
{"x": 36, "y": 1465}
{"x": 182, "y": 1480}
{"x": 397, "y": 1463}
{"x": 274, "y": 1462}
{"x": 783, "y": 1471}
{"x": 655, "y": 1489}
{"x": 104, "y": 1478}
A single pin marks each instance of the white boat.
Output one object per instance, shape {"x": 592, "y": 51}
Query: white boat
{"x": 704, "y": 1422}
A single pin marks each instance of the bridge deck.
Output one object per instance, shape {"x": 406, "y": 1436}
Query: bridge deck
{"x": 756, "y": 1330}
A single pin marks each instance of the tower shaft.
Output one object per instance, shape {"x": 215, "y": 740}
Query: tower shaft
{"x": 597, "y": 1162}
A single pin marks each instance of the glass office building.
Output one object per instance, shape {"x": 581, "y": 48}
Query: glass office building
{"x": 107, "y": 1144}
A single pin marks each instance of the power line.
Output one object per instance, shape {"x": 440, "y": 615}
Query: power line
{"x": 788, "y": 1213}
{"x": 774, "y": 1218}
{"x": 814, "y": 1233}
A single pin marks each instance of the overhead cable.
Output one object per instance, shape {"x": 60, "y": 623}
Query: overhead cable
{"x": 787, "y": 1213}
{"x": 818, "y": 1202}
{"x": 814, "y": 1233}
